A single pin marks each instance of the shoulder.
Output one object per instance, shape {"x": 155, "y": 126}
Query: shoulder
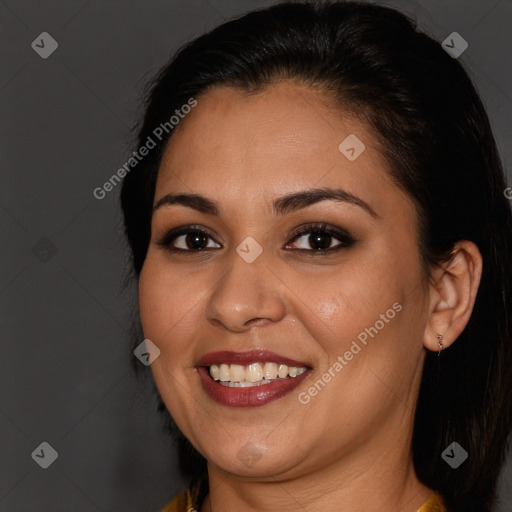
{"x": 434, "y": 504}
{"x": 178, "y": 504}
{"x": 189, "y": 500}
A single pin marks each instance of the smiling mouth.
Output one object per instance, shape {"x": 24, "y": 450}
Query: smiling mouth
{"x": 254, "y": 374}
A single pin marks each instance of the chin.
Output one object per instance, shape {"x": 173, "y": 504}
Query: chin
{"x": 252, "y": 460}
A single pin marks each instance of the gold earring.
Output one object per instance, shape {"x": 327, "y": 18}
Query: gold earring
{"x": 439, "y": 343}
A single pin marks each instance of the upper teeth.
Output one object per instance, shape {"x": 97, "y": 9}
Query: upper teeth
{"x": 236, "y": 375}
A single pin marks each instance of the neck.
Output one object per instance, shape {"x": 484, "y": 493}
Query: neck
{"x": 383, "y": 483}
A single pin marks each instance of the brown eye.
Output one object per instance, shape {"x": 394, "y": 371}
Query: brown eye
{"x": 194, "y": 240}
{"x": 320, "y": 239}
{"x": 187, "y": 239}
{"x": 317, "y": 240}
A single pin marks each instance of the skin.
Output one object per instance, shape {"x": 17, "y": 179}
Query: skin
{"x": 349, "y": 447}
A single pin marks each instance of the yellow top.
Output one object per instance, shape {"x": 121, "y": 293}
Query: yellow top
{"x": 187, "y": 501}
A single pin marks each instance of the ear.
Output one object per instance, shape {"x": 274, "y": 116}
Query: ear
{"x": 453, "y": 290}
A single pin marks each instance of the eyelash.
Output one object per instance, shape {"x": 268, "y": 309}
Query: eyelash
{"x": 341, "y": 235}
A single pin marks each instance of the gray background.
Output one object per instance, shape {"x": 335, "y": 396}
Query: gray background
{"x": 65, "y": 366}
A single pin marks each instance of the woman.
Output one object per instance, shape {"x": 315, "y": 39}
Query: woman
{"x": 322, "y": 248}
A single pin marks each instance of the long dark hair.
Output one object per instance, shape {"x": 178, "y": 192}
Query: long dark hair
{"x": 437, "y": 139}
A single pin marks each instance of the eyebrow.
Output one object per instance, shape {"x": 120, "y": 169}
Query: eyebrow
{"x": 281, "y": 206}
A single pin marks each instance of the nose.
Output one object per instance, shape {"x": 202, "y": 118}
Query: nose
{"x": 248, "y": 294}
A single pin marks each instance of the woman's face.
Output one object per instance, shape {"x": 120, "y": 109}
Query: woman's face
{"x": 351, "y": 319}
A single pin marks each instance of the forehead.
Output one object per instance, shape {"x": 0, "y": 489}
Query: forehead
{"x": 284, "y": 138}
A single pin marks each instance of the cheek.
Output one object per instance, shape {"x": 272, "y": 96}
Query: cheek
{"x": 338, "y": 306}
{"x": 166, "y": 309}
{"x": 164, "y": 301}
{"x": 367, "y": 311}
{"x": 152, "y": 298}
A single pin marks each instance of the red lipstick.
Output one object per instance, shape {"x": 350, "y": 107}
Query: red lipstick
{"x": 252, "y": 396}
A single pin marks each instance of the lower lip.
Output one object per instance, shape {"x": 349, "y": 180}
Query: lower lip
{"x": 248, "y": 397}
